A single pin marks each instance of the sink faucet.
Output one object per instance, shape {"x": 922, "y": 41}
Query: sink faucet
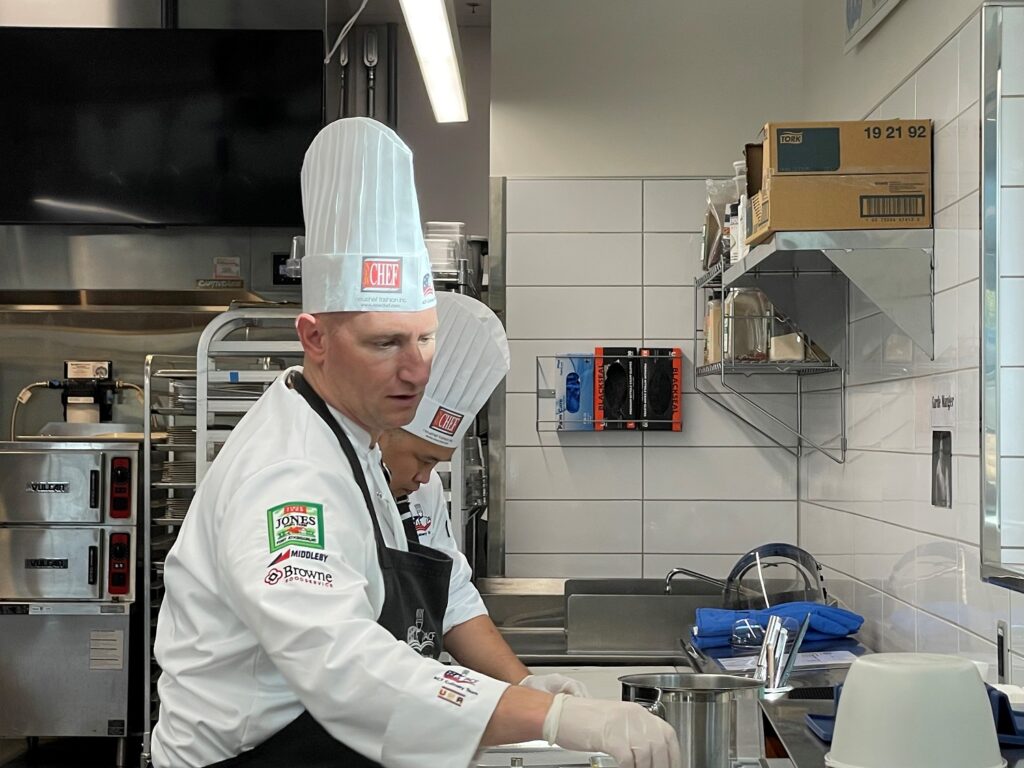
{"x": 693, "y": 574}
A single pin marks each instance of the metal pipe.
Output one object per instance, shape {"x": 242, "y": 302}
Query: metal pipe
{"x": 693, "y": 574}
{"x": 168, "y": 14}
{"x": 392, "y": 52}
{"x": 783, "y": 424}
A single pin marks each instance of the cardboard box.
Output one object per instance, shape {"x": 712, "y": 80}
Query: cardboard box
{"x": 873, "y": 174}
{"x": 661, "y": 387}
{"x": 850, "y": 147}
{"x": 574, "y": 395}
{"x": 615, "y": 399}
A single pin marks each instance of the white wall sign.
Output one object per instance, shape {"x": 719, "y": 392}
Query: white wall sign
{"x": 862, "y": 16}
{"x": 943, "y": 409}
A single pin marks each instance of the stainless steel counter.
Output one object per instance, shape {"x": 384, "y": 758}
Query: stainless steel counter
{"x": 805, "y": 749}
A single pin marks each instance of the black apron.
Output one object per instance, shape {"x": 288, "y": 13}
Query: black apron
{"x": 415, "y": 600}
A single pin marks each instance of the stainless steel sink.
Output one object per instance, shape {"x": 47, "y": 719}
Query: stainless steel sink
{"x": 598, "y": 621}
{"x": 643, "y": 587}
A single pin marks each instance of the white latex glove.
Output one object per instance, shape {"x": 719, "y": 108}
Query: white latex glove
{"x": 624, "y": 730}
{"x": 555, "y": 684}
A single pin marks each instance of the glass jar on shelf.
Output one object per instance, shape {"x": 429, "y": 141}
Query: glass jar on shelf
{"x": 748, "y": 315}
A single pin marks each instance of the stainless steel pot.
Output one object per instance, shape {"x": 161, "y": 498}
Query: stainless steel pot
{"x": 717, "y": 717}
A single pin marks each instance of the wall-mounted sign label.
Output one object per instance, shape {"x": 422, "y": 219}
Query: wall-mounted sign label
{"x": 222, "y": 284}
{"x": 943, "y": 409}
{"x": 227, "y": 267}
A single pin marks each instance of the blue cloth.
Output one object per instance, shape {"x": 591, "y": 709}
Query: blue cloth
{"x": 722, "y": 641}
{"x": 714, "y": 625}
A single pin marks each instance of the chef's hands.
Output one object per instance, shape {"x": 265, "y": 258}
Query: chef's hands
{"x": 624, "y": 730}
{"x": 555, "y": 684}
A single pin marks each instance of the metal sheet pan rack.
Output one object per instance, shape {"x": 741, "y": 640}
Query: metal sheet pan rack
{"x": 240, "y": 353}
{"x": 169, "y": 449}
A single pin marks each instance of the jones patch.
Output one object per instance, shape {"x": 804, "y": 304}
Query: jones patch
{"x": 296, "y": 523}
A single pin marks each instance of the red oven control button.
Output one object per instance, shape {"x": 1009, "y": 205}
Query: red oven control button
{"x": 121, "y": 487}
{"x": 119, "y": 564}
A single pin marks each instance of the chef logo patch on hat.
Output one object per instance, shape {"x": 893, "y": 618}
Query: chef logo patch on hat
{"x": 428, "y": 285}
{"x": 382, "y": 275}
{"x": 446, "y": 422}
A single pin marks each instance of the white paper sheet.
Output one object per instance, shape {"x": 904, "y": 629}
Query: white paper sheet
{"x": 820, "y": 659}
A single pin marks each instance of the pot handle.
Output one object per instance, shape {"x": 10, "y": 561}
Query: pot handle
{"x": 655, "y": 707}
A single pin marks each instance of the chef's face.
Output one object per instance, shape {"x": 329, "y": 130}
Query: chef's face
{"x": 410, "y": 459}
{"x": 372, "y": 366}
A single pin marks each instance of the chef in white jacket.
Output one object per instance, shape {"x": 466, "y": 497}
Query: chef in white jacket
{"x": 299, "y": 626}
{"x": 471, "y": 358}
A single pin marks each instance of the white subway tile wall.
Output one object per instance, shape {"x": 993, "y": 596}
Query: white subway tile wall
{"x": 557, "y": 259}
{"x": 612, "y": 262}
{"x": 638, "y": 505}
{"x": 913, "y": 569}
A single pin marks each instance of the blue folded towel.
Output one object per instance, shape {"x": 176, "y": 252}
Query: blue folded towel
{"x": 714, "y": 625}
{"x": 722, "y": 641}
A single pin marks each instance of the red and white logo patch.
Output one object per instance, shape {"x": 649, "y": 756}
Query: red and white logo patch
{"x": 382, "y": 275}
{"x": 446, "y": 422}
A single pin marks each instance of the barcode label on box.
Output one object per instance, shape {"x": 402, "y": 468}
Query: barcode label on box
{"x": 891, "y": 206}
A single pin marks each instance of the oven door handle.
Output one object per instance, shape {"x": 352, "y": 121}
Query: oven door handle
{"x": 94, "y": 557}
{"x": 94, "y": 488}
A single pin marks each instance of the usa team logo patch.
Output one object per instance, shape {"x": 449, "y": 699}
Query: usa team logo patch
{"x": 446, "y": 422}
{"x": 382, "y": 275}
{"x": 428, "y": 285}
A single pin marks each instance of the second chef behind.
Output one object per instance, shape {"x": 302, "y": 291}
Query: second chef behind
{"x": 471, "y": 358}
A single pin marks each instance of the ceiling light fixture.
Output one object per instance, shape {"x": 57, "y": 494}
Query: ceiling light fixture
{"x": 435, "y": 37}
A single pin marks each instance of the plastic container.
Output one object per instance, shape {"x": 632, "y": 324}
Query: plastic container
{"x": 914, "y": 710}
{"x": 748, "y": 315}
{"x": 713, "y": 332}
{"x": 443, "y": 252}
{"x": 734, "y": 233}
{"x": 437, "y": 232}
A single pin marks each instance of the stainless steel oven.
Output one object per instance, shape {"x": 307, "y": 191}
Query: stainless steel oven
{"x": 68, "y": 538}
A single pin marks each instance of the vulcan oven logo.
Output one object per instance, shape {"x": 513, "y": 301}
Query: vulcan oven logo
{"x": 382, "y": 275}
{"x": 46, "y": 563}
{"x": 445, "y": 421}
{"x": 791, "y": 137}
{"x": 40, "y": 486}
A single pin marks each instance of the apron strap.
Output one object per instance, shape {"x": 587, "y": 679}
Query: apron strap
{"x": 298, "y": 382}
{"x": 405, "y": 512}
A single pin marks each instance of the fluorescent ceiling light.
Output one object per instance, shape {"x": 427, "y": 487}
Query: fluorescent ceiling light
{"x": 436, "y": 41}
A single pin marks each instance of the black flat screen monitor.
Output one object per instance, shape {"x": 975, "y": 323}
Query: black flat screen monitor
{"x": 156, "y": 126}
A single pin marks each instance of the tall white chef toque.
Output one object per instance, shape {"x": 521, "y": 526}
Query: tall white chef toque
{"x": 471, "y": 358}
{"x": 364, "y": 242}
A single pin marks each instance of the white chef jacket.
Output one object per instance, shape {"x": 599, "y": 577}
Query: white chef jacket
{"x": 244, "y": 652}
{"x": 433, "y": 527}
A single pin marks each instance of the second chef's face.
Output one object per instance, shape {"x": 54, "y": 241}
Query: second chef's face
{"x": 410, "y": 459}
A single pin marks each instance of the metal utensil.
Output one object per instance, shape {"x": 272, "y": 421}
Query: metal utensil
{"x": 771, "y": 637}
{"x": 790, "y": 664}
{"x": 780, "y": 653}
{"x": 370, "y": 61}
{"x": 343, "y": 64}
